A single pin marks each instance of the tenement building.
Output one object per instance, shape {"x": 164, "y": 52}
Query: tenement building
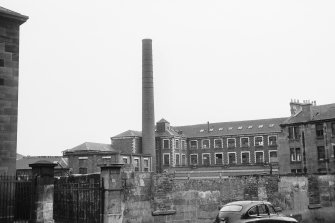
{"x": 307, "y": 141}
{"x": 9, "y": 78}
{"x": 241, "y": 145}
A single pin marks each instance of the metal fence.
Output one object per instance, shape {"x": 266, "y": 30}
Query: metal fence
{"x": 78, "y": 199}
{"x": 16, "y": 197}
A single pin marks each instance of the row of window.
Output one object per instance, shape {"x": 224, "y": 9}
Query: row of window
{"x": 218, "y": 143}
{"x": 295, "y": 153}
{"x": 219, "y": 158}
{"x": 294, "y": 131}
{"x": 239, "y": 128}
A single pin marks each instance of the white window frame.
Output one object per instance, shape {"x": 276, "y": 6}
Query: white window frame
{"x": 235, "y": 157}
{"x": 183, "y": 155}
{"x": 244, "y": 138}
{"x": 139, "y": 163}
{"x": 106, "y": 157}
{"x": 183, "y": 144}
{"x": 259, "y": 152}
{"x": 144, "y": 159}
{"x": 196, "y": 147}
{"x": 127, "y": 158}
{"x": 215, "y": 143}
{"x": 168, "y": 143}
{"x": 262, "y": 144}
{"x": 176, "y": 143}
{"x": 175, "y": 157}
{"x": 270, "y": 156}
{"x": 234, "y": 142}
{"x": 194, "y": 154}
{"x": 242, "y": 152}
{"x": 202, "y": 158}
{"x": 269, "y": 140}
{"x": 215, "y": 158}
{"x": 83, "y": 158}
{"x": 202, "y": 143}
{"x": 164, "y": 159}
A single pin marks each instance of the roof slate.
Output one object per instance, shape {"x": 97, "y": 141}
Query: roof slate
{"x": 129, "y": 133}
{"x": 24, "y": 162}
{"x": 318, "y": 113}
{"x": 92, "y": 146}
{"x": 233, "y": 128}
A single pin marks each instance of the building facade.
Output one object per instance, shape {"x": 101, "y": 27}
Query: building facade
{"x": 250, "y": 144}
{"x": 88, "y": 157}
{"x": 307, "y": 141}
{"x": 9, "y": 78}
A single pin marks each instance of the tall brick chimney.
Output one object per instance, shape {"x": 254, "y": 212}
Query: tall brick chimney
{"x": 148, "y": 112}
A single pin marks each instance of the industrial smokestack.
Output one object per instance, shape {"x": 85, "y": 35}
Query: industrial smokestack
{"x": 148, "y": 111}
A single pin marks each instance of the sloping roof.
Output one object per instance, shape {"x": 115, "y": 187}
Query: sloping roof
{"x": 19, "y": 156}
{"x": 24, "y": 162}
{"x": 91, "y": 146}
{"x": 13, "y": 15}
{"x": 232, "y": 128}
{"x": 129, "y": 133}
{"x": 320, "y": 112}
{"x": 169, "y": 132}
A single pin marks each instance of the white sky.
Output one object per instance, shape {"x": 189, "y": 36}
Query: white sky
{"x": 216, "y": 61}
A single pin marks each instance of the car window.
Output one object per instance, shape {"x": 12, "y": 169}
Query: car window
{"x": 231, "y": 208}
{"x": 271, "y": 209}
{"x": 262, "y": 209}
{"x": 253, "y": 211}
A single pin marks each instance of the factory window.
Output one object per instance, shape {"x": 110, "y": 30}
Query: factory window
{"x": 273, "y": 156}
{"x": 194, "y": 144}
{"x": 2, "y": 63}
{"x": 205, "y": 143}
{"x": 245, "y": 157}
{"x": 244, "y": 142}
{"x": 218, "y": 158}
{"x": 177, "y": 159}
{"x": 333, "y": 128}
{"x": 272, "y": 140}
{"x": 321, "y": 153}
{"x": 231, "y": 142}
{"x": 183, "y": 144}
{"x": 166, "y": 144}
{"x": 293, "y": 132}
{"x": 333, "y": 155}
{"x": 259, "y": 157}
{"x": 260, "y": 126}
{"x": 295, "y": 154}
{"x": 177, "y": 143}
{"x": 258, "y": 140}
{"x": 232, "y": 158}
{"x": 146, "y": 166}
{"x": 206, "y": 161}
{"x": 183, "y": 160}
{"x": 319, "y": 130}
{"x": 250, "y": 127}
{"x": 166, "y": 159}
{"x": 218, "y": 143}
{"x": 194, "y": 159}
{"x": 137, "y": 164}
{"x": 82, "y": 170}
{"x": 2, "y": 81}
{"x": 125, "y": 160}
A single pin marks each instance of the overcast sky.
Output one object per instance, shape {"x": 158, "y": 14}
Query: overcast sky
{"x": 216, "y": 61}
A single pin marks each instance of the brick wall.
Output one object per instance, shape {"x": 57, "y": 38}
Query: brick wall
{"x": 9, "y": 78}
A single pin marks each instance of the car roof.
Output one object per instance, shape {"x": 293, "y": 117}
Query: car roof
{"x": 247, "y": 204}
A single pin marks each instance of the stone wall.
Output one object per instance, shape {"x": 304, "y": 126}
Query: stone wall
{"x": 9, "y": 79}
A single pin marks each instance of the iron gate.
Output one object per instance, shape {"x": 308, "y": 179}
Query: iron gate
{"x": 16, "y": 199}
{"x": 78, "y": 199}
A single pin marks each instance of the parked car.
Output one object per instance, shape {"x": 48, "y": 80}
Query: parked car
{"x": 250, "y": 211}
